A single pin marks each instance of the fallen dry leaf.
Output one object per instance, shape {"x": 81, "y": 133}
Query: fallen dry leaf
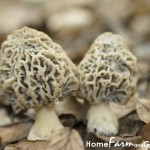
{"x": 122, "y": 110}
{"x": 145, "y": 132}
{"x": 133, "y": 139}
{"x": 27, "y": 145}
{"x": 4, "y": 118}
{"x": 14, "y": 132}
{"x": 64, "y": 139}
{"x": 72, "y": 106}
{"x": 143, "y": 109}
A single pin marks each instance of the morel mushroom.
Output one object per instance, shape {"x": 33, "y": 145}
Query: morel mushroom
{"x": 36, "y": 72}
{"x": 107, "y": 74}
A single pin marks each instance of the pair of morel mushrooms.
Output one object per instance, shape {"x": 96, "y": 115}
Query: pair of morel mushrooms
{"x": 36, "y": 72}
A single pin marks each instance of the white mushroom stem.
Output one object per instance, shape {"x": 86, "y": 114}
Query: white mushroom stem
{"x": 46, "y": 122}
{"x": 101, "y": 120}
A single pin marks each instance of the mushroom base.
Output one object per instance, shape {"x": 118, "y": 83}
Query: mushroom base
{"x": 46, "y": 122}
{"x": 101, "y": 120}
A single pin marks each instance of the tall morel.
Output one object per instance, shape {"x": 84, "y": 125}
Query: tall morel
{"x": 107, "y": 73}
{"x": 36, "y": 73}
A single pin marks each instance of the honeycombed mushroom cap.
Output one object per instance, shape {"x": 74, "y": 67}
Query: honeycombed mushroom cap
{"x": 35, "y": 70}
{"x": 108, "y": 71}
